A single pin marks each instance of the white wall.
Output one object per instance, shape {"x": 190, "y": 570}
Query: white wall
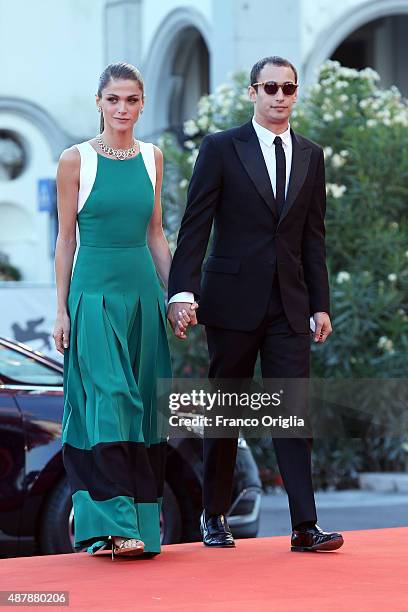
{"x": 244, "y": 32}
{"x": 52, "y": 54}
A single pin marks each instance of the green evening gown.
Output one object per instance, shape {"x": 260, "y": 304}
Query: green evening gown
{"x": 113, "y": 437}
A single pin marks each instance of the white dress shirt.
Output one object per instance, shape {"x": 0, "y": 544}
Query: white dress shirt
{"x": 266, "y": 138}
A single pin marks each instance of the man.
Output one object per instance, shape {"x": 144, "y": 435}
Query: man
{"x": 263, "y": 187}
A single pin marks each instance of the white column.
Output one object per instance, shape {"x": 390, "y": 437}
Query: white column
{"x": 246, "y": 31}
{"x": 401, "y": 54}
{"x": 123, "y": 32}
{"x": 383, "y": 51}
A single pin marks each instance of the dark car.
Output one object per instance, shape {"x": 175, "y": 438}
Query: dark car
{"x": 36, "y": 514}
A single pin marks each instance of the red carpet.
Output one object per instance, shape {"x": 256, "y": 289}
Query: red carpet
{"x": 369, "y": 573}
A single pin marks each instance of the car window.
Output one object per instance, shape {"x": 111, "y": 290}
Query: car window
{"x": 26, "y": 370}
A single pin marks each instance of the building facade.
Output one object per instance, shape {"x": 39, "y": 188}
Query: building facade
{"x": 52, "y": 55}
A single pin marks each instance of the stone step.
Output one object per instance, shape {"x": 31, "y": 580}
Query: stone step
{"x": 384, "y": 481}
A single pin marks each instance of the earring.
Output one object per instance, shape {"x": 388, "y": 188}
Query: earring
{"x": 141, "y": 111}
{"x": 99, "y": 109}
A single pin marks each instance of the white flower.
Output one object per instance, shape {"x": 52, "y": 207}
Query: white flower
{"x": 348, "y": 72}
{"x": 337, "y": 191}
{"x": 344, "y": 153}
{"x": 406, "y": 253}
{"x": 395, "y": 91}
{"x": 213, "y": 128}
{"x": 189, "y": 144}
{"x": 183, "y": 183}
{"x": 385, "y": 113}
{"x": 338, "y": 114}
{"x": 190, "y": 128}
{"x": 385, "y": 344}
{"x": 371, "y": 123}
{"x": 222, "y": 89}
{"x": 369, "y": 74}
{"x": 328, "y": 152}
{"x": 381, "y": 341}
{"x": 338, "y": 161}
{"x": 343, "y": 98}
{"x": 392, "y": 277}
{"x": 203, "y": 123}
{"x": 226, "y": 104}
{"x": 401, "y": 118}
{"x": 365, "y": 103}
{"x": 393, "y": 225}
{"x": 341, "y": 84}
{"x": 343, "y": 277}
{"x": 331, "y": 64}
{"x": 402, "y": 314}
{"x": 204, "y": 106}
{"x": 192, "y": 158}
{"x": 327, "y": 117}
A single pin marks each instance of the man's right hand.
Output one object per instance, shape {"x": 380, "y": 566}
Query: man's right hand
{"x": 181, "y": 315}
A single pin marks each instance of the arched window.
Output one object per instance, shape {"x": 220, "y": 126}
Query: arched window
{"x": 190, "y": 72}
{"x": 176, "y": 72}
{"x": 381, "y": 44}
{"x": 370, "y": 34}
{"x": 13, "y": 155}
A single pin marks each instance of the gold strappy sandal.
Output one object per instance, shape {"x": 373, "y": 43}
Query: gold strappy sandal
{"x": 127, "y": 547}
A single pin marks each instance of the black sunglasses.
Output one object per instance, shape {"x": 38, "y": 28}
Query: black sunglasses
{"x": 272, "y": 87}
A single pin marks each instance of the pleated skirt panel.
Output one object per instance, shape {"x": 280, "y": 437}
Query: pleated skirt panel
{"x": 113, "y": 435}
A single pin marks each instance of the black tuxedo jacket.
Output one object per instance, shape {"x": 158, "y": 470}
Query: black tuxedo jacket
{"x": 230, "y": 188}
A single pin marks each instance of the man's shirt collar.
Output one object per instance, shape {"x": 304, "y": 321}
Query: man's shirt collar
{"x": 267, "y": 136}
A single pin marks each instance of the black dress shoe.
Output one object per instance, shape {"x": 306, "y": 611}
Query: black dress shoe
{"x": 215, "y": 531}
{"x": 313, "y": 538}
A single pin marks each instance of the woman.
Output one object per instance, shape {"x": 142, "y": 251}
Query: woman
{"x": 111, "y": 324}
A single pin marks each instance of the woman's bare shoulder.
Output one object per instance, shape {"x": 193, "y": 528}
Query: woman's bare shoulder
{"x": 69, "y": 161}
{"x": 70, "y": 157}
{"x": 158, "y": 156}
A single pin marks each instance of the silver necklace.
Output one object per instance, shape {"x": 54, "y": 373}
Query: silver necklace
{"x": 118, "y": 153}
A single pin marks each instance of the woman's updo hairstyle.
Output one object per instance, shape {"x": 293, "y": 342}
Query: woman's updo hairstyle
{"x": 119, "y": 70}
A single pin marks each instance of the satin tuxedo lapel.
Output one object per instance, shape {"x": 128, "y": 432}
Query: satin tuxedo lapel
{"x": 300, "y": 165}
{"x": 249, "y": 151}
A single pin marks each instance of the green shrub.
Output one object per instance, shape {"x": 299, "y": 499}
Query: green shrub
{"x": 8, "y": 272}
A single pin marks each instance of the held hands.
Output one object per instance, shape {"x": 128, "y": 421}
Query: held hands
{"x": 323, "y": 326}
{"x": 61, "y": 332}
{"x": 181, "y": 315}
